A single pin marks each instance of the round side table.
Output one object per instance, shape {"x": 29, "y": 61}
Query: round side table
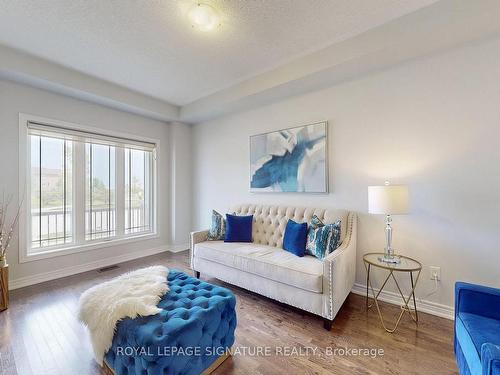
{"x": 408, "y": 265}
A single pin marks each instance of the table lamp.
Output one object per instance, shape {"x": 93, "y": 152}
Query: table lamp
{"x": 388, "y": 200}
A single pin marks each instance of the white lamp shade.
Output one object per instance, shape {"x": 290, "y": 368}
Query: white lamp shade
{"x": 388, "y": 199}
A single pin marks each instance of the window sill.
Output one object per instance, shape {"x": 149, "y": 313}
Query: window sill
{"x": 73, "y": 249}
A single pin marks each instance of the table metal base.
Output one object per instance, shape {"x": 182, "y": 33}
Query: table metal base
{"x": 412, "y": 311}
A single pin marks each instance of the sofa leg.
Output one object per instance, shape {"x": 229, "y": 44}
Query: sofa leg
{"x": 197, "y": 274}
{"x": 327, "y": 324}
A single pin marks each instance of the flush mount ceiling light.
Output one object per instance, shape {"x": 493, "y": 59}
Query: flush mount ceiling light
{"x": 203, "y": 17}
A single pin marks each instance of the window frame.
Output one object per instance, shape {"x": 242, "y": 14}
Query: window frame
{"x": 29, "y": 221}
{"x": 78, "y": 204}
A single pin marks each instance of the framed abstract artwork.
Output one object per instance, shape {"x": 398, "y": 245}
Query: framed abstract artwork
{"x": 291, "y": 160}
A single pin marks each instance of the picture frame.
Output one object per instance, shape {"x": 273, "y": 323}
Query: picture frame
{"x": 290, "y": 160}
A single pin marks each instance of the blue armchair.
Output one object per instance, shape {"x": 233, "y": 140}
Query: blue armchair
{"x": 477, "y": 329}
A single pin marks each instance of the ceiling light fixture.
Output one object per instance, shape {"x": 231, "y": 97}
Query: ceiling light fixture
{"x": 204, "y": 17}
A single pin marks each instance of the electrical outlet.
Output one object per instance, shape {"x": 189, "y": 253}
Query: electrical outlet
{"x": 435, "y": 273}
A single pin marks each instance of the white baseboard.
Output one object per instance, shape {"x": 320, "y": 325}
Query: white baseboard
{"x": 73, "y": 270}
{"x": 429, "y": 307}
{"x": 178, "y": 248}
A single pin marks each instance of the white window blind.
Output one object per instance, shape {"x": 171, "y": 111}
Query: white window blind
{"x": 52, "y": 131}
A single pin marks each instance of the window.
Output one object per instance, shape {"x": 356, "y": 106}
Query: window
{"x": 137, "y": 190}
{"x": 85, "y": 188}
{"x": 100, "y": 191}
{"x": 51, "y": 191}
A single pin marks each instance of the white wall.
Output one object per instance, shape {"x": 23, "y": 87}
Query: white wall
{"x": 15, "y": 98}
{"x": 181, "y": 173}
{"x": 433, "y": 124}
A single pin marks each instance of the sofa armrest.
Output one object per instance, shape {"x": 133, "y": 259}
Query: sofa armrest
{"x": 196, "y": 237}
{"x": 477, "y": 299}
{"x": 339, "y": 270}
{"x": 490, "y": 359}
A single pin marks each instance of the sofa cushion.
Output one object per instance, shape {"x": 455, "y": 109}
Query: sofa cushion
{"x": 472, "y": 332}
{"x": 322, "y": 239}
{"x": 295, "y": 238}
{"x": 217, "y": 227}
{"x": 269, "y": 222}
{"x": 481, "y": 329}
{"x": 238, "y": 228}
{"x": 266, "y": 261}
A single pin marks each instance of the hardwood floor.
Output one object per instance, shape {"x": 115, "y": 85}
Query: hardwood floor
{"x": 39, "y": 334}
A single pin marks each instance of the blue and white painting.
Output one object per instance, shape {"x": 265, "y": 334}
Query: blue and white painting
{"x": 290, "y": 160}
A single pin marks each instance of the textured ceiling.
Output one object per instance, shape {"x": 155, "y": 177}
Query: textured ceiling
{"x": 149, "y": 46}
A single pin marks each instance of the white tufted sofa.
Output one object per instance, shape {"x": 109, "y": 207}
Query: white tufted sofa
{"x": 264, "y": 267}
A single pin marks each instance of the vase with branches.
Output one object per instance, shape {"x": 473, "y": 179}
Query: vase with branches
{"x": 6, "y": 230}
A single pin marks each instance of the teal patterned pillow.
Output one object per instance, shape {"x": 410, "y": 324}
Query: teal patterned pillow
{"x": 322, "y": 239}
{"x": 217, "y": 227}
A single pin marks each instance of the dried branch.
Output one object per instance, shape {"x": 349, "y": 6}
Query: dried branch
{"x": 6, "y": 236}
{"x": 12, "y": 228}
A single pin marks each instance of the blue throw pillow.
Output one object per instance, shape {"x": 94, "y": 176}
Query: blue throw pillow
{"x": 322, "y": 239}
{"x": 295, "y": 238}
{"x": 217, "y": 227}
{"x": 238, "y": 228}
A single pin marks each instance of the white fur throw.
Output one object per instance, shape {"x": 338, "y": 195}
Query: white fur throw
{"x": 129, "y": 295}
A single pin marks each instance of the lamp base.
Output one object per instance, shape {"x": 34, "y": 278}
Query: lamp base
{"x": 391, "y": 259}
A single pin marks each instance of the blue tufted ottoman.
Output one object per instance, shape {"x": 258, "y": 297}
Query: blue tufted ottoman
{"x": 192, "y": 335}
